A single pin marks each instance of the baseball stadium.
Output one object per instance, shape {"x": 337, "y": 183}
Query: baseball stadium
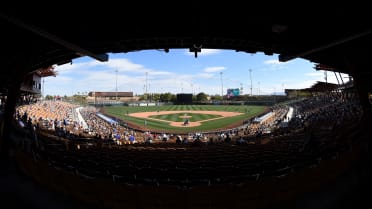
{"x": 187, "y": 144}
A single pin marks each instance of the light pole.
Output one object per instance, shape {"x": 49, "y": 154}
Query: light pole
{"x": 116, "y": 88}
{"x": 192, "y": 89}
{"x": 149, "y": 91}
{"x": 43, "y": 92}
{"x": 221, "y": 85}
{"x": 146, "y": 86}
{"x": 250, "y": 76}
{"x": 95, "y": 98}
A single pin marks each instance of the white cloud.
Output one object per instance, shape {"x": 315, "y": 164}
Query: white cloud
{"x": 209, "y": 51}
{"x": 314, "y": 74}
{"x": 93, "y": 76}
{"x": 160, "y": 73}
{"x": 68, "y": 68}
{"x": 167, "y": 84}
{"x": 274, "y": 62}
{"x": 213, "y": 69}
{"x": 100, "y": 76}
{"x": 125, "y": 65}
{"x": 205, "y": 52}
{"x": 122, "y": 65}
{"x": 205, "y": 75}
{"x": 59, "y": 78}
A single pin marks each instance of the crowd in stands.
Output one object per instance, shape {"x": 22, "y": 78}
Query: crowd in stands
{"x": 61, "y": 117}
{"x": 50, "y": 114}
{"x": 307, "y": 138}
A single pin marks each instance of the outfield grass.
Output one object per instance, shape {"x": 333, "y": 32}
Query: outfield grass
{"x": 217, "y": 124}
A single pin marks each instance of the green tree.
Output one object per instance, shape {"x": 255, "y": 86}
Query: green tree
{"x": 166, "y": 97}
{"x": 216, "y": 97}
{"x": 201, "y": 97}
{"x": 142, "y": 97}
{"x": 173, "y": 98}
{"x": 156, "y": 97}
{"x": 49, "y": 97}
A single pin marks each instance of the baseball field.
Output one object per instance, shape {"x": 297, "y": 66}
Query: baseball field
{"x": 184, "y": 118}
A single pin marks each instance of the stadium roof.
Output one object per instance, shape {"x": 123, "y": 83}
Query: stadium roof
{"x": 45, "y": 72}
{"x": 56, "y": 34}
{"x": 319, "y": 86}
{"x": 323, "y": 87}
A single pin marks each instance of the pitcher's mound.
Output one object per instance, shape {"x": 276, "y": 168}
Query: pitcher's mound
{"x": 181, "y": 124}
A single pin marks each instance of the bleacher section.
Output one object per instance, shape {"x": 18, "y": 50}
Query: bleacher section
{"x": 315, "y": 141}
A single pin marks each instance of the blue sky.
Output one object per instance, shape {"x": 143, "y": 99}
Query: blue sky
{"x": 180, "y": 72}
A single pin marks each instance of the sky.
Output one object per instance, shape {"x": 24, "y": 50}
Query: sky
{"x": 178, "y": 71}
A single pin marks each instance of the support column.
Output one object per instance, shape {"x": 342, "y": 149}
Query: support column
{"x": 6, "y": 123}
{"x": 361, "y": 83}
{"x": 362, "y": 87}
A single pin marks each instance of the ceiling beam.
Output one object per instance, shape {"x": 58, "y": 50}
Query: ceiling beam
{"x": 285, "y": 58}
{"x": 77, "y": 49}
